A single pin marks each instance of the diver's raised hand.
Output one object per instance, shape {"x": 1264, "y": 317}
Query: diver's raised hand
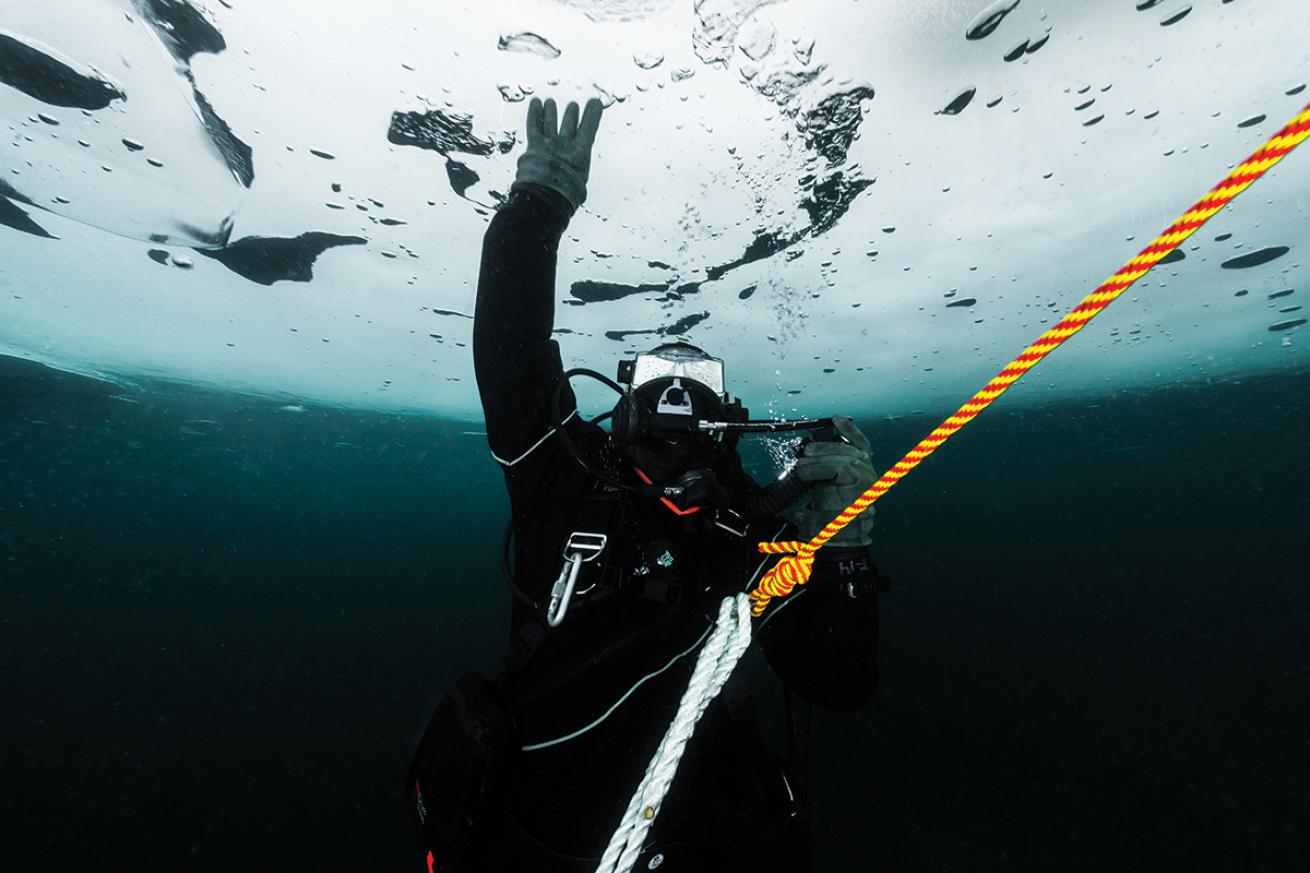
{"x": 841, "y": 471}
{"x": 558, "y": 155}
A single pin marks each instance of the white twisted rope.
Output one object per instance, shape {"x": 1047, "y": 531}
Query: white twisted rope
{"x": 718, "y": 658}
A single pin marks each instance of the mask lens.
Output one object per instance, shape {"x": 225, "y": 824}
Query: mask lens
{"x": 674, "y": 362}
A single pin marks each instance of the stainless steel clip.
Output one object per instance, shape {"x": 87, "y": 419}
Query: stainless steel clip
{"x": 580, "y": 548}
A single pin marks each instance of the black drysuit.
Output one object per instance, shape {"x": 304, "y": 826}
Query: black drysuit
{"x": 730, "y": 806}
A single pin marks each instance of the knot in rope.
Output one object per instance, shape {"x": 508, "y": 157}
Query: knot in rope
{"x": 786, "y": 574}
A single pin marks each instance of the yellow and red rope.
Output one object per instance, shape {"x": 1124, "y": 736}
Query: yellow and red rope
{"x": 795, "y": 569}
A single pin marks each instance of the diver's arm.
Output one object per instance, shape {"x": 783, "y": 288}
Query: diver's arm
{"x": 516, "y": 362}
{"x": 824, "y": 642}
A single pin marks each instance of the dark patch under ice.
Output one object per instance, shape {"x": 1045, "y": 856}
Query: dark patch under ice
{"x": 12, "y": 215}
{"x": 461, "y": 177}
{"x": 7, "y": 190}
{"x": 686, "y": 324}
{"x": 182, "y": 27}
{"x": 1174, "y": 257}
{"x": 676, "y": 329}
{"x": 1287, "y": 325}
{"x": 1256, "y": 258}
{"x": 830, "y": 199}
{"x": 266, "y": 260}
{"x": 159, "y": 256}
{"x": 444, "y": 132}
{"x": 38, "y": 72}
{"x": 830, "y": 127}
{"x": 186, "y": 31}
{"x": 590, "y": 291}
{"x": 765, "y": 245}
{"x": 240, "y": 159}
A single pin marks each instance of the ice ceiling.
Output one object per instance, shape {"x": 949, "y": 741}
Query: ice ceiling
{"x": 865, "y": 206}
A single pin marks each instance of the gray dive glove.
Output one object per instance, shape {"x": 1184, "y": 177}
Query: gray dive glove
{"x": 559, "y": 154}
{"x": 842, "y": 472}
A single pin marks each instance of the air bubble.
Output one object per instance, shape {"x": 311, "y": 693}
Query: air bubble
{"x": 528, "y": 43}
{"x": 956, "y": 106}
{"x": 1176, "y": 16}
{"x": 986, "y": 21}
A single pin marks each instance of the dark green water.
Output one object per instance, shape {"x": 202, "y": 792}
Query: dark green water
{"x": 220, "y": 640}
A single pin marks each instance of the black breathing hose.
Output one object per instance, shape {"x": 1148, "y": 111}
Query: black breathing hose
{"x": 772, "y": 498}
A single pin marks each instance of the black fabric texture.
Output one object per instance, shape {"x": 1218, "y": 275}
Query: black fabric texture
{"x": 457, "y": 778}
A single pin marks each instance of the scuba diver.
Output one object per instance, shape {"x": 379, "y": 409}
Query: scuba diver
{"x": 624, "y": 543}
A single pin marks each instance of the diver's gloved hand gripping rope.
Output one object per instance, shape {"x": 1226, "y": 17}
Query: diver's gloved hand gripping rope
{"x": 840, "y": 471}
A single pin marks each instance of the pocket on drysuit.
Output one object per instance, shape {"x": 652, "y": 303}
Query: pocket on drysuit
{"x": 457, "y": 778}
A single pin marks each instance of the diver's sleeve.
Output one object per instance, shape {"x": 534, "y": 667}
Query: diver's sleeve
{"x": 516, "y": 362}
{"x": 824, "y": 642}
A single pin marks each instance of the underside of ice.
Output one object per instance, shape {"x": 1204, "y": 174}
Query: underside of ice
{"x": 864, "y": 208}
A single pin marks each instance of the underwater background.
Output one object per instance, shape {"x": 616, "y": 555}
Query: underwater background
{"x": 225, "y": 619}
